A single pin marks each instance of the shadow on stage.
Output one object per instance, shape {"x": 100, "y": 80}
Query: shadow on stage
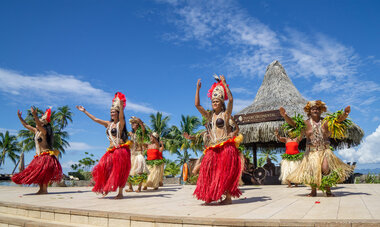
{"x": 139, "y": 196}
{"x": 57, "y": 193}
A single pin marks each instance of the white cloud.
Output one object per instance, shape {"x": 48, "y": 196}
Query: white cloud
{"x": 80, "y": 146}
{"x": 67, "y": 165}
{"x": 368, "y": 152}
{"x": 11, "y": 131}
{"x": 241, "y": 90}
{"x": 252, "y": 45}
{"x": 54, "y": 87}
{"x": 375, "y": 118}
{"x": 240, "y": 104}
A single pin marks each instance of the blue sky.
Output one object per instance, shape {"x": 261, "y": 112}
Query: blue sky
{"x": 82, "y": 52}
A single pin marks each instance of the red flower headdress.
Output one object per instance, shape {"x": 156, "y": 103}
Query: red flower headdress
{"x": 218, "y": 91}
{"x": 116, "y": 101}
{"x": 46, "y": 117}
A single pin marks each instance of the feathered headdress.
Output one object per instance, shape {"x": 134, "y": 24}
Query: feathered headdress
{"x": 46, "y": 117}
{"x": 218, "y": 91}
{"x": 116, "y": 101}
{"x": 133, "y": 119}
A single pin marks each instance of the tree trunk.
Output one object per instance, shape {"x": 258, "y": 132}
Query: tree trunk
{"x": 22, "y": 162}
{"x": 16, "y": 166}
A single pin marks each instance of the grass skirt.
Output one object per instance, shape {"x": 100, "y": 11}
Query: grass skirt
{"x": 219, "y": 173}
{"x": 138, "y": 164}
{"x": 154, "y": 177}
{"x": 287, "y": 167}
{"x": 309, "y": 171}
{"x": 112, "y": 171}
{"x": 43, "y": 169}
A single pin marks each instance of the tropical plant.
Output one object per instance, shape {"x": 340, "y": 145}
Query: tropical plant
{"x": 171, "y": 168}
{"x": 337, "y": 129}
{"x": 294, "y": 132}
{"x": 63, "y": 116}
{"x": 265, "y": 154}
{"x": 159, "y": 124}
{"x": 178, "y": 144}
{"x": 9, "y": 147}
{"x": 85, "y": 163}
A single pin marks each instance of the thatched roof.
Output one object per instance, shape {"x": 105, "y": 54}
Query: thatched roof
{"x": 278, "y": 90}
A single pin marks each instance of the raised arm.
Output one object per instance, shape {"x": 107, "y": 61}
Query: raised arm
{"x": 288, "y": 119}
{"x": 229, "y": 95}
{"x": 141, "y": 125}
{"x": 279, "y": 138}
{"x": 82, "y": 109}
{"x": 200, "y": 108}
{"x": 121, "y": 117}
{"x": 300, "y": 137}
{"x": 30, "y": 128}
{"x": 343, "y": 117}
{"x": 37, "y": 120}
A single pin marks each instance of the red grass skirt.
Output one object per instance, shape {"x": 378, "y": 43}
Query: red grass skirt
{"x": 112, "y": 171}
{"x": 43, "y": 169}
{"x": 219, "y": 173}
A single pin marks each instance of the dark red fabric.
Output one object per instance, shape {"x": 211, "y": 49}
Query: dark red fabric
{"x": 291, "y": 148}
{"x": 112, "y": 171}
{"x": 219, "y": 173}
{"x": 153, "y": 154}
{"x": 41, "y": 170}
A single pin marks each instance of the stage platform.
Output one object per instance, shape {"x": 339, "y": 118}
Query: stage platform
{"x": 174, "y": 205}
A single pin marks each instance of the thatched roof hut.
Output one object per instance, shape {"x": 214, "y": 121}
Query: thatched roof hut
{"x": 259, "y": 121}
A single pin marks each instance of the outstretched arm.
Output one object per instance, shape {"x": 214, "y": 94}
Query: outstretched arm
{"x": 288, "y": 119}
{"x": 37, "y": 120}
{"x": 343, "y": 117}
{"x": 200, "y": 108}
{"x": 30, "y": 128}
{"x": 230, "y": 98}
{"x": 279, "y": 138}
{"x": 82, "y": 109}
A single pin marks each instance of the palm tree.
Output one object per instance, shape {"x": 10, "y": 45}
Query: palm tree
{"x": 63, "y": 116}
{"x": 264, "y": 155}
{"x": 177, "y": 142}
{"x": 159, "y": 124}
{"x": 9, "y": 147}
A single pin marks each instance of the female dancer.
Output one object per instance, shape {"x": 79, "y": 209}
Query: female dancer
{"x": 155, "y": 162}
{"x": 292, "y": 157}
{"x": 319, "y": 161}
{"x": 221, "y": 165}
{"x": 45, "y": 167}
{"x": 113, "y": 168}
{"x": 139, "y": 169}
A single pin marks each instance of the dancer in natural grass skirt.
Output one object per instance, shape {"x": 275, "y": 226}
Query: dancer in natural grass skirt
{"x": 320, "y": 168}
{"x": 155, "y": 162}
{"x": 139, "y": 171}
{"x": 291, "y": 159}
{"x": 45, "y": 167}
{"x": 221, "y": 165}
{"x": 111, "y": 173}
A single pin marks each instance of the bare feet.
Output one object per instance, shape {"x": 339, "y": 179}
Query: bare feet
{"x": 155, "y": 188}
{"x": 40, "y": 192}
{"x": 329, "y": 193}
{"x": 129, "y": 190}
{"x": 289, "y": 185}
{"x": 226, "y": 201}
{"x": 161, "y": 184}
{"x": 119, "y": 196}
{"x": 313, "y": 193}
{"x": 145, "y": 188}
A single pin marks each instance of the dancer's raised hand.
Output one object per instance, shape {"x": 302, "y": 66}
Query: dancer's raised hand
{"x": 81, "y": 108}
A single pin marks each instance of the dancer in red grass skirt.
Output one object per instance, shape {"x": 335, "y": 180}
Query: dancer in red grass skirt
{"x": 45, "y": 167}
{"x": 112, "y": 171}
{"x": 221, "y": 165}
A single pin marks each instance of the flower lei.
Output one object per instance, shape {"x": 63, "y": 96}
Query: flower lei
{"x": 124, "y": 145}
{"x": 56, "y": 153}
{"x": 235, "y": 140}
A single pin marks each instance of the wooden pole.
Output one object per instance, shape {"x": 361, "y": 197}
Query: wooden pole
{"x": 254, "y": 151}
